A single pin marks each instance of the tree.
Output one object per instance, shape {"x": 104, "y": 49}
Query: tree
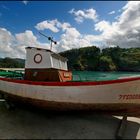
{"x": 106, "y": 64}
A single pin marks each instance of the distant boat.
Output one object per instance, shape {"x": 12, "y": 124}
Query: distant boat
{"x": 48, "y": 84}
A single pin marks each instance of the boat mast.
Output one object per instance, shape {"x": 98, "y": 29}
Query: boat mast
{"x": 50, "y": 39}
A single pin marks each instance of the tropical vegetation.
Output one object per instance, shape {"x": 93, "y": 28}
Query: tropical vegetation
{"x": 92, "y": 59}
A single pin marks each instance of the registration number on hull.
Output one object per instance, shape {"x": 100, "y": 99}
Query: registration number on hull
{"x": 129, "y": 96}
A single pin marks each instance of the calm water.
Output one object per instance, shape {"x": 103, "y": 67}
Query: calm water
{"x": 86, "y": 75}
{"x": 101, "y": 76}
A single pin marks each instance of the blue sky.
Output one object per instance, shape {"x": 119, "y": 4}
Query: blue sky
{"x": 18, "y": 17}
{"x": 88, "y": 22}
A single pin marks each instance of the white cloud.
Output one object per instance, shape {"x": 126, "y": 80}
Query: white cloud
{"x": 29, "y": 39}
{"x": 68, "y": 39}
{"x": 53, "y": 25}
{"x": 25, "y": 2}
{"x": 14, "y": 45}
{"x": 5, "y": 40}
{"x": 7, "y": 44}
{"x": 111, "y": 13}
{"x": 125, "y": 31}
{"x": 72, "y": 38}
{"x": 81, "y": 15}
{"x": 102, "y": 26}
{"x": 63, "y": 26}
{"x": 48, "y": 24}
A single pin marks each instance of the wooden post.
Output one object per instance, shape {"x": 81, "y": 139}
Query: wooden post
{"x": 122, "y": 127}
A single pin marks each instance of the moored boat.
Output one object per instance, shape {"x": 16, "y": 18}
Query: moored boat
{"x": 49, "y": 84}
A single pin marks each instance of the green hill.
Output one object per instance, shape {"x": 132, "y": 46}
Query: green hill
{"x": 108, "y": 59}
{"x": 12, "y": 63}
{"x": 92, "y": 59}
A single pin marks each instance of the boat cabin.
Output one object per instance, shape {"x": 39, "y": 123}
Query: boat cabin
{"x": 45, "y": 65}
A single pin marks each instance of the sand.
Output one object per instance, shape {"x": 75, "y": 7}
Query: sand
{"x": 27, "y": 123}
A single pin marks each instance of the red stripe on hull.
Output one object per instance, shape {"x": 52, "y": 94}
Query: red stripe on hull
{"x": 70, "y": 83}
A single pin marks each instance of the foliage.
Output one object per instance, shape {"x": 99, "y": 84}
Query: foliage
{"x": 93, "y": 59}
{"x": 12, "y": 63}
{"x": 107, "y": 59}
{"x": 83, "y": 59}
{"x": 106, "y": 64}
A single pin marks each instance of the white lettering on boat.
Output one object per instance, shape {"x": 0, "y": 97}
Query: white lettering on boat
{"x": 129, "y": 96}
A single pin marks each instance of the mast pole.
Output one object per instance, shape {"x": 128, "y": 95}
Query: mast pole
{"x": 50, "y": 39}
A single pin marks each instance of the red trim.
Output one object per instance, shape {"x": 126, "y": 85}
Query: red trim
{"x": 70, "y": 83}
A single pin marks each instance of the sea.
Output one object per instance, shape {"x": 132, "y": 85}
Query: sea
{"x": 101, "y": 76}
{"x": 86, "y": 75}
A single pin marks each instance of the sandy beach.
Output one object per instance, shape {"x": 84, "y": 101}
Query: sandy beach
{"x": 25, "y": 123}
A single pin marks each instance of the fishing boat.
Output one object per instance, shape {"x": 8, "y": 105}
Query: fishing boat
{"x": 47, "y": 83}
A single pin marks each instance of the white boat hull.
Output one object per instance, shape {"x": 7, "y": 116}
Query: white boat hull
{"x": 107, "y": 95}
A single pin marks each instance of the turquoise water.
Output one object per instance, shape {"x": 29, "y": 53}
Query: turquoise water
{"x": 82, "y": 75}
{"x": 101, "y": 76}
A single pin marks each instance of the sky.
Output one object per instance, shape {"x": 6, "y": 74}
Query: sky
{"x": 73, "y": 24}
